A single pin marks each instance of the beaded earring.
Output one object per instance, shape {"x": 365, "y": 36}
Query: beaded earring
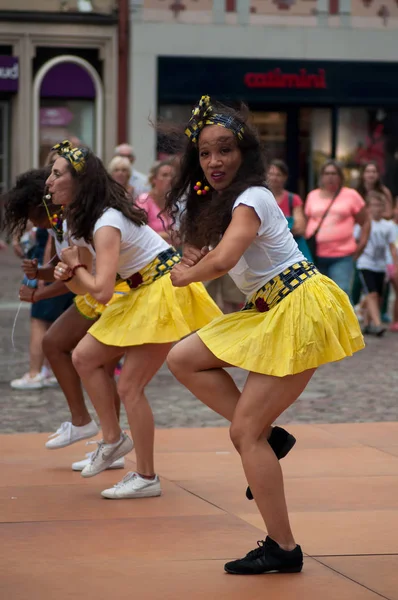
{"x": 199, "y": 190}
{"x": 56, "y": 219}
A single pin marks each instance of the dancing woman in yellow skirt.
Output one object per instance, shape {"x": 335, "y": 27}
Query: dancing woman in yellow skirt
{"x": 294, "y": 319}
{"x": 27, "y": 201}
{"x": 142, "y": 324}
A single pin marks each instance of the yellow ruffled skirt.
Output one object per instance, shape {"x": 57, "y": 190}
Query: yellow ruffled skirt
{"x": 298, "y": 321}
{"x": 91, "y": 309}
{"x": 154, "y": 311}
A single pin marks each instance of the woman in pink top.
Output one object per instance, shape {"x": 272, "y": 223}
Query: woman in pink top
{"x": 336, "y": 246}
{"x": 160, "y": 178}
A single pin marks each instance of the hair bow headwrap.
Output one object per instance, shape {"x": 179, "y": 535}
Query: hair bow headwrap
{"x": 76, "y": 156}
{"x": 203, "y": 114}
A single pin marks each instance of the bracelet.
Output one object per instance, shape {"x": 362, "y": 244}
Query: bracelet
{"x": 69, "y": 279}
{"x": 32, "y": 298}
{"x": 78, "y": 267}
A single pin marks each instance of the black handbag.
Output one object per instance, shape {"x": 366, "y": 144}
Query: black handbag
{"x": 311, "y": 241}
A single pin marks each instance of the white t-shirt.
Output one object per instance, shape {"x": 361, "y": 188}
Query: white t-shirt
{"x": 274, "y": 248}
{"x": 81, "y": 242}
{"x": 389, "y": 258}
{"x": 139, "y": 244}
{"x": 374, "y": 257}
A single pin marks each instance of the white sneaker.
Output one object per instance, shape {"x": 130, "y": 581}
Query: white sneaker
{"x": 50, "y": 382}
{"x": 79, "y": 465}
{"x": 359, "y": 313}
{"x": 28, "y": 383}
{"x": 68, "y": 434}
{"x": 46, "y": 372}
{"x": 48, "y": 376}
{"x": 134, "y": 486}
{"x": 106, "y": 454}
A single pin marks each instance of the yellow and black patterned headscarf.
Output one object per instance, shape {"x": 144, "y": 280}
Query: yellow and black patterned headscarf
{"x": 75, "y": 156}
{"x": 203, "y": 114}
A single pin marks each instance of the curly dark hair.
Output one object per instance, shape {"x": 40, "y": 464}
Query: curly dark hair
{"x": 25, "y": 200}
{"x": 96, "y": 191}
{"x": 204, "y": 219}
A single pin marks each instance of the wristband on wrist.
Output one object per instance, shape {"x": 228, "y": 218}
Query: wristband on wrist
{"x": 69, "y": 279}
{"x": 80, "y": 265}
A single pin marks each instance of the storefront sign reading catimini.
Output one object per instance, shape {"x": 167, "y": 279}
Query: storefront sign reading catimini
{"x": 277, "y": 79}
{"x": 9, "y": 73}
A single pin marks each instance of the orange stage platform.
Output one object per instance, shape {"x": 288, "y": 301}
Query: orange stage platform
{"x": 60, "y": 540}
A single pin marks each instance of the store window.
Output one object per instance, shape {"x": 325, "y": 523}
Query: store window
{"x": 175, "y": 113}
{"x": 272, "y": 129}
{"x": 320, "y": 143}
{"x": 62, "y": 119}
{"x": 68, "y": 104}
{"x": 67, "y": 107}
{"x": 178, "y": 114}
{"x": 368, "y": 134}
{"x": 304, "y": 152}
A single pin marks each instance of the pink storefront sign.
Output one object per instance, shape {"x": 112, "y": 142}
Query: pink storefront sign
{"x": 55, "y": 117}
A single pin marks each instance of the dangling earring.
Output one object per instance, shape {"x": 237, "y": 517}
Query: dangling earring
{"x": 199, "y": 190}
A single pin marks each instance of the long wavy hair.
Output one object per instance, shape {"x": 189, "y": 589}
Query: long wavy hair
{"x": 204, "y": 219}
{"x": 378, "y": 186}
{"x": 25, "y": 201}
{"x": 96, "y": 191}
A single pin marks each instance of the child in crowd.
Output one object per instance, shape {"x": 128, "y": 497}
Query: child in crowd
{"x": 372, "y": 264}
{"x": 392, "y": 271}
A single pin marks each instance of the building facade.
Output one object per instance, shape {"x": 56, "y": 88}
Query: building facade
{"x": 58, "y": 79}
{"x": 320, "y": 76}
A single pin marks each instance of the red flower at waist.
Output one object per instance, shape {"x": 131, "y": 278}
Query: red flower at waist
{"x": 261, "y": 305}
{"x": 135, "y": 280}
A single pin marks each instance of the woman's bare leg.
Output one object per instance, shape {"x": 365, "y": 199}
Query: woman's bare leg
{"x": 373, "y": 308}
{"x": 89, "y": 358}
{"x": 58, "y": 343}
{"x": 110, "y": 369}
{"x": 140, "y": 365}
{"x": 38, "y": 330}
{"x": 263, "y": 399}
{"x": 192, "y": 363}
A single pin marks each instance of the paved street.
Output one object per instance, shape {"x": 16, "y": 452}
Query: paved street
{"x": 362, "y": 388}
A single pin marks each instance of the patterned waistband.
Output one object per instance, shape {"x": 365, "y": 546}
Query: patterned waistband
{"x": 161, "y": 265}
{"x": 280, "y": 286}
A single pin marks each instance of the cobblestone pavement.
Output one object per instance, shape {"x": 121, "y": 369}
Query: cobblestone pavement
{"x": 361, "y": 388}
